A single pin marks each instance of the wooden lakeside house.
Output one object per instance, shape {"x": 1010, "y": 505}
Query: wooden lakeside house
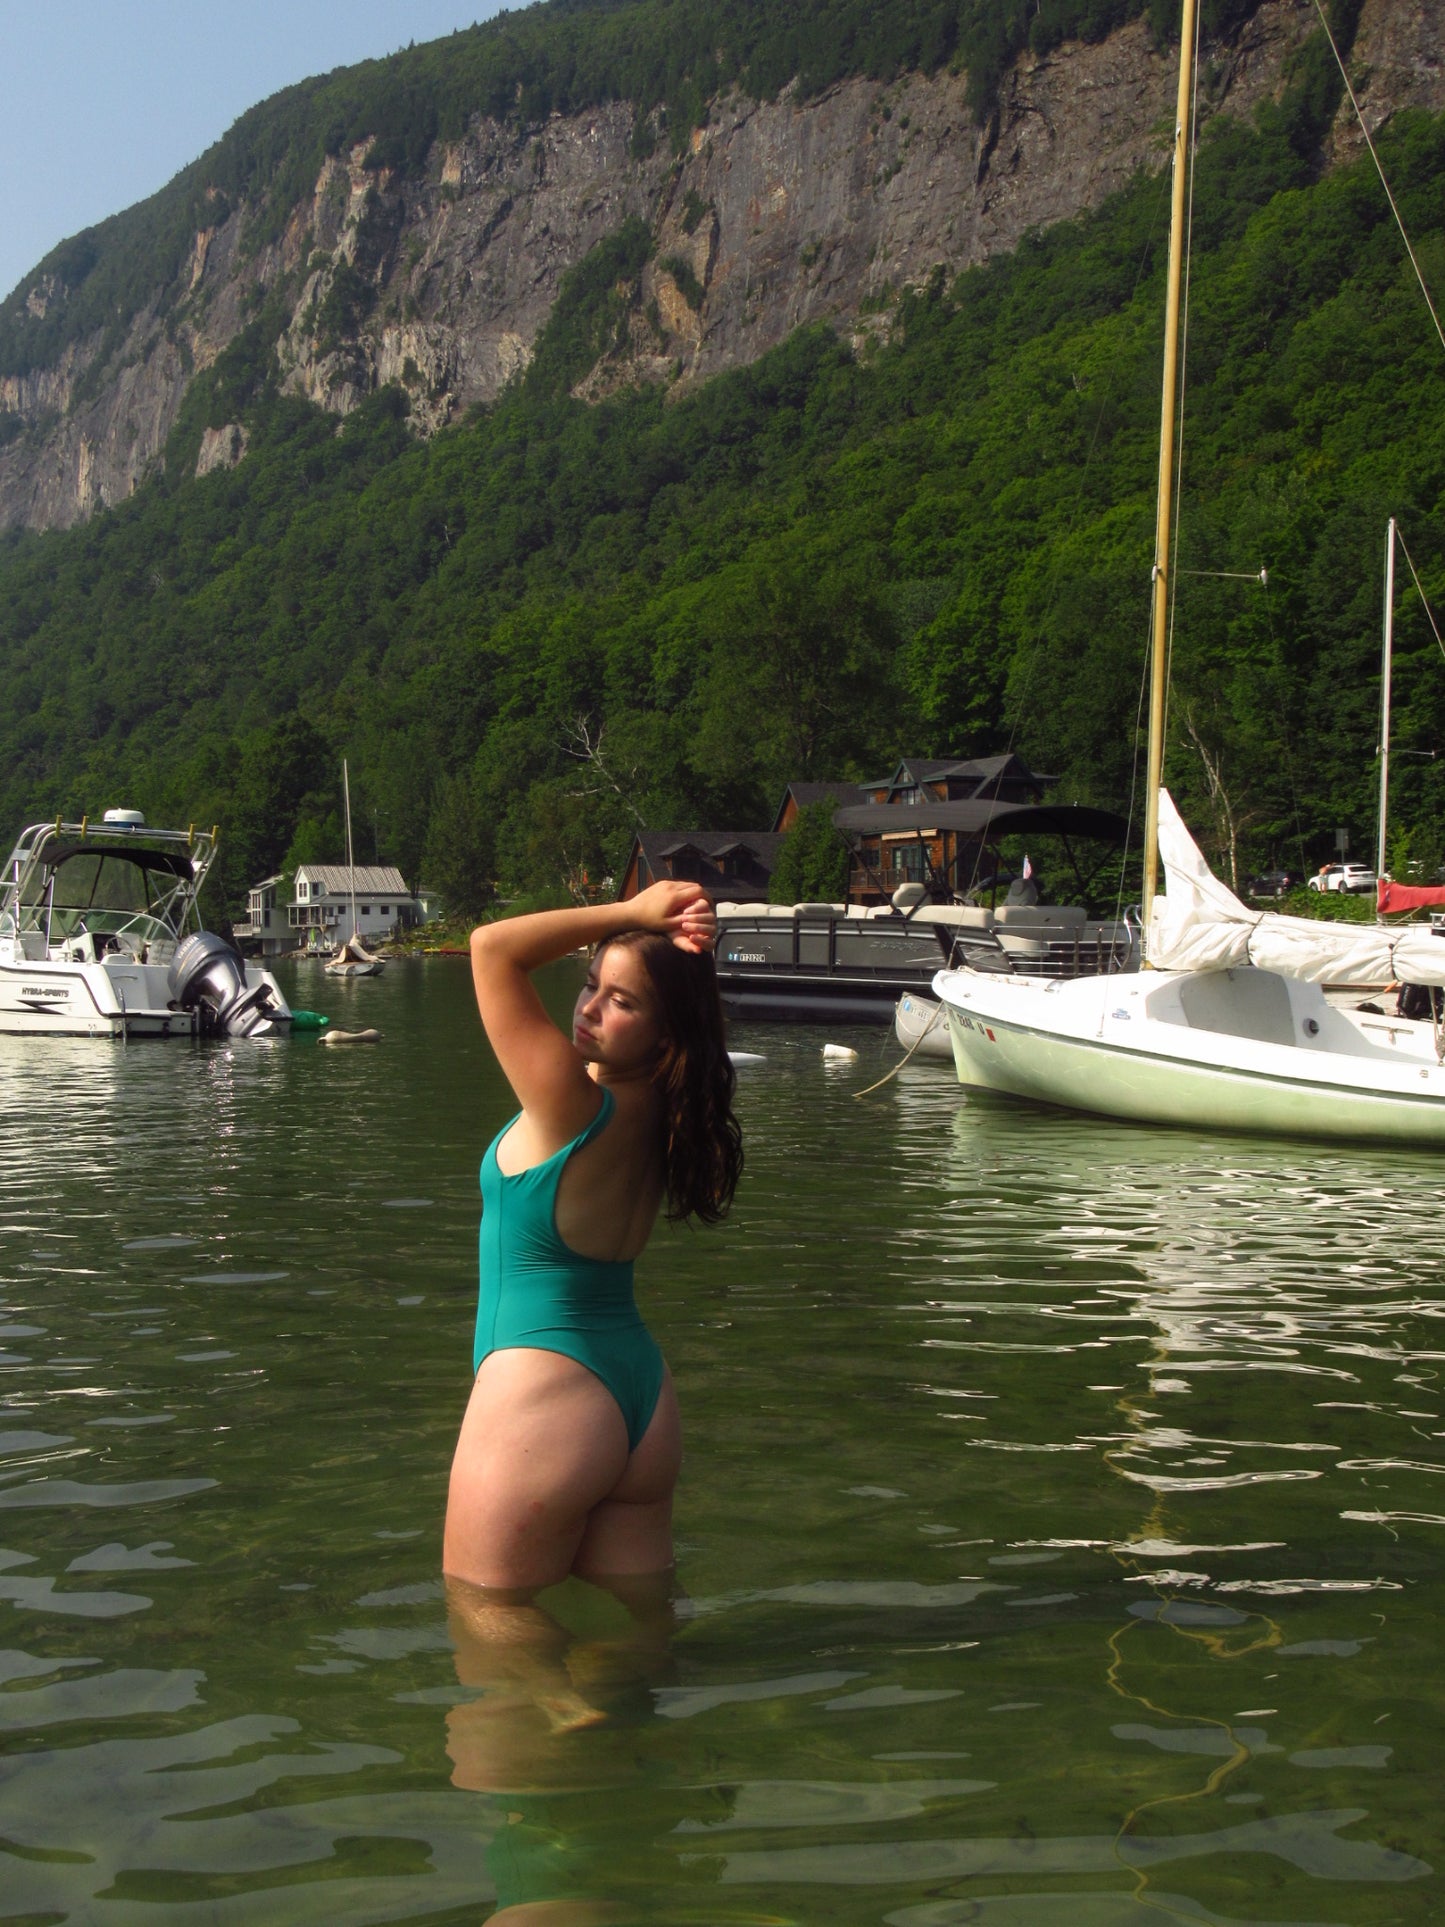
{"x": 931, "y": 821}
{"x": 892, "y": 845}
{"x": 731, "y": 865}
{"x": 798, "y": 796}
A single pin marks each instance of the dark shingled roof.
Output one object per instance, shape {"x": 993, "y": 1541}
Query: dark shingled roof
{"x": 707, "y": 849}
{"x": 805, "y": 793}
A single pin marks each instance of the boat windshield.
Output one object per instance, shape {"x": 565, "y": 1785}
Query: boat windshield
{"x": 111, "y": 891}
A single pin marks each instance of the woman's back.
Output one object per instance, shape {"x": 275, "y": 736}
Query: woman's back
{"x": 610, "y": 1187}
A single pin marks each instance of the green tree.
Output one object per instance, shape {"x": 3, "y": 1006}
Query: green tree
{"x": 459, "y": 852}
{"x": 812, "y": 864}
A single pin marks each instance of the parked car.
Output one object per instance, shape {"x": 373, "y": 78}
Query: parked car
{"x": 1273, "y": 883}
{"x": 1355, "y": 877}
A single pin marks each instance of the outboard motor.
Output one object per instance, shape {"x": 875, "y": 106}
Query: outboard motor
{"x": 207, "y": 972}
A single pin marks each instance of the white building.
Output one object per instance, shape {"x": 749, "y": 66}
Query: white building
{"x": 267, "y": 931}
{"x": 322, "y": 897}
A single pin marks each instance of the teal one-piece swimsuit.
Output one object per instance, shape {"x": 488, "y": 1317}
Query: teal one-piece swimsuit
{"x": 536, "y": 1291}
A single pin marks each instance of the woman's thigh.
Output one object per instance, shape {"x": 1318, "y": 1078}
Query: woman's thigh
{"x": 629, "y": 1531}
{"x": 542, "y": 1445}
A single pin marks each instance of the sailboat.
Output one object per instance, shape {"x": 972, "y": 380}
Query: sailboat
{"x": 352, "y": 958}
{"x": 1235, "y": 1046}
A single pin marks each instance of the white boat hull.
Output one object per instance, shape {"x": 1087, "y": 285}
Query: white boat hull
{"x": 119, "y": 999}
{"x": 1127, "y": 1047}
{"x": 919, "y": 1025}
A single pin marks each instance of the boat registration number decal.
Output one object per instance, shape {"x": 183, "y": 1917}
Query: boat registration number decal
{"x": 968, "y": 1023}
{"x": 745, "y": 956}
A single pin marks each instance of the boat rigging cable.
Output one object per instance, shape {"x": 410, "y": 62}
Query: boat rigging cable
{"x": 1420, "y": 591}
{"x": 1399, "y": 223}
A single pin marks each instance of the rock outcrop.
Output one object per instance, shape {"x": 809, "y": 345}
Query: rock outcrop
{"x": 781, "y": 213}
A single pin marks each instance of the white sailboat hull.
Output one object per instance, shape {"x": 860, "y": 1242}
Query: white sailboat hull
{"x": 1232, "y": 1050}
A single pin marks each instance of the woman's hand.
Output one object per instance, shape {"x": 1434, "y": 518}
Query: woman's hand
{"x": 681, "y": 911}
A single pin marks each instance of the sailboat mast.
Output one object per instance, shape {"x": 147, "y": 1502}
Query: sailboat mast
{"x": 1159, "y": 664}
{"x": 350, "y": 860}
{"x": 1385, "y": 674}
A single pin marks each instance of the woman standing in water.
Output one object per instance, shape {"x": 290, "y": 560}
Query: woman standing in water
{"x": 570, "y": 1447}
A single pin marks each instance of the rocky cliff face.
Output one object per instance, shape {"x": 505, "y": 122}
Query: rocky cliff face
{"x": 782, "y": 213}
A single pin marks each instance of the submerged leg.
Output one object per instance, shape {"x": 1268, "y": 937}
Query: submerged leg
{"x": 507, "y": 1645}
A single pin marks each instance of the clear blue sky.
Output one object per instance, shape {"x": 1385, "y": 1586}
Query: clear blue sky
{"x": 105, "y": 100}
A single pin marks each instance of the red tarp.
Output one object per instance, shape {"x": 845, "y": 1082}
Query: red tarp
{"x": 1406, "y": 896}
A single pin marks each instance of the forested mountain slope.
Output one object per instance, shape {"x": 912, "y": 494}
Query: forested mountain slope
{"x": 559, "y": 617}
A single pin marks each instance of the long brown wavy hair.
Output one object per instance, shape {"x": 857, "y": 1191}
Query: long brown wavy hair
{"x": 703, "y": 1143}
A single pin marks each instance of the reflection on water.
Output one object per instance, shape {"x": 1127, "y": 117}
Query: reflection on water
{"x": 1060, "y": 1532}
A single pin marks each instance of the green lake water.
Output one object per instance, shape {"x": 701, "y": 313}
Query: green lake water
{"x": 1061, "y": 1531}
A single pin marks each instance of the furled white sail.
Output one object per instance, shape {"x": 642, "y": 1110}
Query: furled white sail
{"x": 1199, "y": 924}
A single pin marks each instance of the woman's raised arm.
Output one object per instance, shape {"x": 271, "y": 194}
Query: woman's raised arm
{"x": 542, "y": 1066}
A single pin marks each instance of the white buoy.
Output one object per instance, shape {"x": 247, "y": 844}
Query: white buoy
{"x": 351, "y": 1036}
{"x": 746, "y": 1057}
{"x": 839, "y": 1054}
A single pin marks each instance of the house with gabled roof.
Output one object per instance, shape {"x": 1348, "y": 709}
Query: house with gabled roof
{"x": 997, "y": 779}
{"x": 893, "y": 846}
{"x": 731, "y": 865}
{"x": 320, "y": 909}
{"x": 797, "y": 796}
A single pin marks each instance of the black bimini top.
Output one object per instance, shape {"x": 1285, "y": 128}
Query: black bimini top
{"x": 175, "y": 861}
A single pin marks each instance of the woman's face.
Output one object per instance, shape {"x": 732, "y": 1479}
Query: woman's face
{"x": 616, "y": 1023}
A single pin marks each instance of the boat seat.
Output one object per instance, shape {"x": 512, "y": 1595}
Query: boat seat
{"x": 1239, "y": 1003}
{"x": 963, "y": 916}
{"x": 1040, "y": 917}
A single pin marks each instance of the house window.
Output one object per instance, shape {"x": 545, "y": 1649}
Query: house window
{"x": 302, "y": 892}
{"x": 366, "y": 909}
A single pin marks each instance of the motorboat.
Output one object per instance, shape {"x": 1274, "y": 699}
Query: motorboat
{"x": 100, "y": 936}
